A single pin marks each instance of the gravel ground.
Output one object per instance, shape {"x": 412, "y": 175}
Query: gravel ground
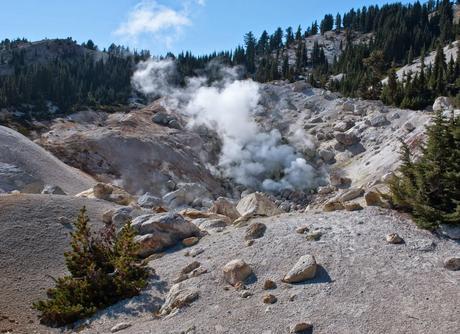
{"x": 33, "y": 238}
{"x": 364, "y": 285}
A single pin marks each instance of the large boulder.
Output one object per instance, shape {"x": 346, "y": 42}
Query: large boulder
{"x": 257, "y": 204}
{"x": 185, "y": 195}
{"x": 442, "y": 103}
{"x": 159, "y": 231}
{"x": 224, "y": 207}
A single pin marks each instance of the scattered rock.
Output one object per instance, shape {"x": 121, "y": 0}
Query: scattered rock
{"x": 190, "y": 267}
{"x": 333, "y": 205}
{"x": 178, "y": 297}
{"x": 348, "y": 106}
{"x": 269, "y": 284}
{"x": 245, "y": 294}
{"x": 344, "y": 125}
{"x": 269, "y": 299}
{"x": 109, "y": 193}
{"x": 195, "y": 252}
{"x": 338, "y": 180}
{"x": 301, "y": 327}
{"x": 249, "y": 243}
{"x": 257, "y": 204}
{"x": 160, "y": 231}
{"x": 314, "y": 235}
{"x": 346, "y": 138}
{"x": 149, "y": 201}
{"x": 302, "y": 229}
{"x": 107, "y": 216}
{"x": 452, "y": 263}
{"x": 120, "y": 326}
{"x": 378, "y": 120}
{"x": 423, "y": 245}
{"x": 304, "y": 269}
{"x": 236, "y": 271}
{"x": 326, "y": 190}
{"x": 374, "y": 198}
{"x": 255, "y": 231}
{"x": 351, "y": 194}
{"x": 450, "y": 230}
{"x": 191, "y": 241}
{"x": 394, "y": 238}
{"x": 185, "y": 195}
{"x": 224, "y": 207}
{"x": 53, "y": 190}
{"x": 353, "y": 206}
{"x": 327, "y": 155}
{"x": 409, "y": 126}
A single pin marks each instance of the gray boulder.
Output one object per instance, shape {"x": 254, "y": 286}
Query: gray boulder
{"x": 159, "y": 231}
{"x": 185, "y": 195}
{"x": 149, "y": 201}
{"x": 346, "y": 138}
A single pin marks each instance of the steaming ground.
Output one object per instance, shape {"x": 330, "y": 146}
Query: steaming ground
{"x": 251, "y": 156}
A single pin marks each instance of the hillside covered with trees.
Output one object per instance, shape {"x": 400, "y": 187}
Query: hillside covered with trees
{"x": 395, "y": 34}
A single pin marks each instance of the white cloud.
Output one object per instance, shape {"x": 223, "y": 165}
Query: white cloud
{"x": 151, "y": 18}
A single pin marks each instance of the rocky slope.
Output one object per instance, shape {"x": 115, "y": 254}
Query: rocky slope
{"x": 146, "y": 150}
{"x": 34, "y": 231}
{"x": 27, "y": 167}
{"x": 363, "y": 284}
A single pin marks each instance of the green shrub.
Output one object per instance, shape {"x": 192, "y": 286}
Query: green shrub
{"x": 103, "y": 270}
{"x": 429, "y": 187}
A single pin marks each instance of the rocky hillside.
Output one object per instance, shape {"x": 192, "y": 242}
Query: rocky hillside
{"x": 336, "y": 259}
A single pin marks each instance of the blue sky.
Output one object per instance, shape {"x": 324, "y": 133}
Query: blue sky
{"x": 163, "y": 25}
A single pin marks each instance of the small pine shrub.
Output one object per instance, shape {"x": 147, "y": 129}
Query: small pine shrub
{"x": 103, "y": 270}
{"x": 429, "y": 188}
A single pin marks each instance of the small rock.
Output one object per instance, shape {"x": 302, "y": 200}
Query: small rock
{"x": 301, "y": 327}
{"x": 190, "y": 267}
{"x": 353, "y": 207}
{"x": 333, "y": 205}
{"x": 249, "y": 243}
{"x": 180, "y": 278}
{"x": 442, "y": 103}
{"x": 346, "y": 138}
{"x": 374, "y": 198}
{"x": 304, "y": 269}
{"x": 423, "y": 245}
{"x": 269, "y": 284}
{"x": 326, "y": 190}
{"x": 394, "y": 238}
{"x": 189, "y": 242}
{"x": 245, "y": 294}
{"x": 302, "y": 229}
{"x": 53, "y": 190}
{"x": 255, "y": 231}
{"x": 452, "y": 263}
{"x": 269, "y": 299}
{"x": 107, "y": 216}
{"x": 236, "y": 271}
{"x": 326, "y": 155}
{"x": 409, "y": 127}
{"x": 314, "y": 235}
{"x": 120, "y": 326}
{"x": 195, "y": 252}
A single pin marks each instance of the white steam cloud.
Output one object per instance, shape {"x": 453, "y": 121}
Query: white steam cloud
{"x": 251, "y": 156}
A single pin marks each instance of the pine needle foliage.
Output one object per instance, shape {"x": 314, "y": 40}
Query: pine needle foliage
{"x": 429, "y": 187}
{"x": 103, "y": 270}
